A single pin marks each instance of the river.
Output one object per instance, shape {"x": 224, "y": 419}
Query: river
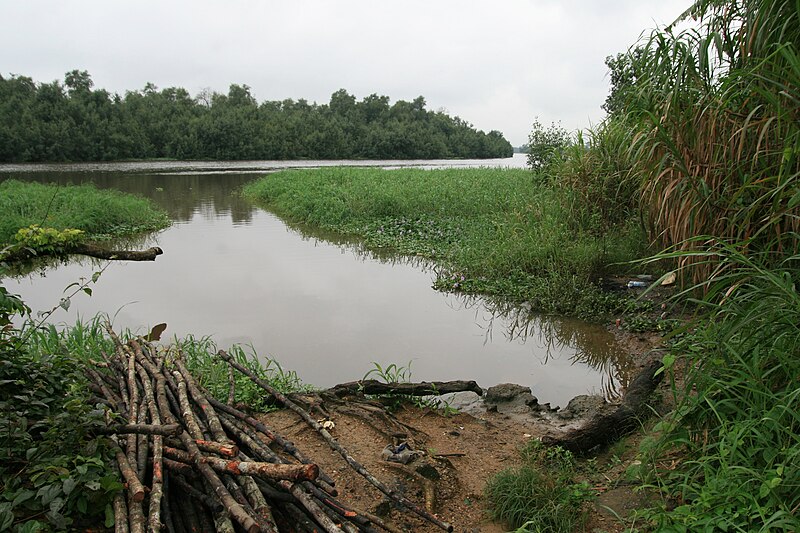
{"x": 325, "y": 309}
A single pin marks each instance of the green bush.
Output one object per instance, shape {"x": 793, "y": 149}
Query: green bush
{"x": 734, "y": 437}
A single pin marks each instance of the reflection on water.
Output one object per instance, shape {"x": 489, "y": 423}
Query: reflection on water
{"x": 593, "y": 345}
{"x": 319, "y": 306}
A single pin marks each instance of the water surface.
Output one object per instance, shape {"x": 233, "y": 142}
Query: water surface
{"x": 326, "y": 310}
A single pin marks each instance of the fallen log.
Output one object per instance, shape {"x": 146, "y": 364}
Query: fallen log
{"x": 609, "y": 427}
{"x": 90, "y": 250}
{"x": 424, "y": 388}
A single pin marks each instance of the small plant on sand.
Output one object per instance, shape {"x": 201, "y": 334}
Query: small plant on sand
{"x": 541, "y": 494}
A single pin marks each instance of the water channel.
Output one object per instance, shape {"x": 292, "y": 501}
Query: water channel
{"x": 327, "y": 310}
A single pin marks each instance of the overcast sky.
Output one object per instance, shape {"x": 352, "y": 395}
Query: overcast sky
{"x": 497, "y": 64}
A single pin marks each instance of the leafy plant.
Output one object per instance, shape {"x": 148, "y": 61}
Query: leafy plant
{"x": 49, "y": 240}
{"x": 716, "y": 143}
{"x": 546, "y": 146}
{"x": 54, "y": 471}
{"x": 392, "y": 373}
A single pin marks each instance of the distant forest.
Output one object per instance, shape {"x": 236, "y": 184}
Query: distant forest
{"x": 70, "y": 121}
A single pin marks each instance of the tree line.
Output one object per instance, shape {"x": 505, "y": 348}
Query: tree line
{"x": 71, "y": 121}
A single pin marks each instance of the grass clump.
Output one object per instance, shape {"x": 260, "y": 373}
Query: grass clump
{"x": 541, "y": 494}
{"x": 491, "y": 231}
{"x": 212, "y": 373}
{"x": 100, "y": 214}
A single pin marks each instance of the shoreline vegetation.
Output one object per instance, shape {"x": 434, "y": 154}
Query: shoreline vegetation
{"x": 493, "y": 232}
{"x": 72, "y": 122}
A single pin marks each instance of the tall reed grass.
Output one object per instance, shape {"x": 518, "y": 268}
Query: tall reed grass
{"x": 716, "y": 145}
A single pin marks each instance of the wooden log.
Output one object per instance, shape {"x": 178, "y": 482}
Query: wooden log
{"x": 142, "y": 444}
{"x": 424, "y": 388}
{"x": 136, "y": 518}
{"x": 91, "y": 250}
{"x": 307, "y": 502}
{"x": 334, "y": 444}
{"x": 213, "y": 505}
{"x": 133, "y": 401}
{"x": 268, "y": 471}
{"x": 166, "y": 508}
{"x": 143, "y": 429}
{"x": 236, "y": 511}
{"x": 609, "y": 427}
{"x": 296, "y": 520}
{"x": 135, "y": 487}
{"x": 156, "y": 487}
{"x": 225, "y": 450}
{"x": 186, "y": 412}
{"x": 178, "y": 467}
{"x": 120, "y": 514}
{"x": 258, "y": 503}
{"x": 284, "y": 444}
{"x": 199, "y": 398}
{"x": 256, "y": 447}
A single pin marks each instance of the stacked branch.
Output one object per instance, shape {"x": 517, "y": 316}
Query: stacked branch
{"x": 193, "y": 463}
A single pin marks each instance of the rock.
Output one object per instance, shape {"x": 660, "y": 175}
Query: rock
{"x": 505, "y": 392}
{"x": 508, "y": 397}
{"x": 466, "y": 402}
{"x": 583, "y": 406}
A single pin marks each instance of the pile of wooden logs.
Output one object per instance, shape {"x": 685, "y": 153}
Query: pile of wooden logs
{"x": 193, "y": 463}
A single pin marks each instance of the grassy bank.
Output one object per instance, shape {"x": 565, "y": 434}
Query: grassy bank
{"x": 489, "y": 231}
{"x": 100, "y": 214}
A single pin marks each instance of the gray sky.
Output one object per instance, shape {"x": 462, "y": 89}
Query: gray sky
{"x": 495, "y": 64}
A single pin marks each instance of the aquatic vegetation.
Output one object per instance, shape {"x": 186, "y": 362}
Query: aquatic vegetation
{"x": 504, "y": 234}
{"x": 99, "y": 214}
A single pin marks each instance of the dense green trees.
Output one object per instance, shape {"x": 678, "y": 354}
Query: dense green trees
{"x": 71, "y": 121}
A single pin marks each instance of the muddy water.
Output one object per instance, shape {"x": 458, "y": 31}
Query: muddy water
{"x": 326, "y": 310}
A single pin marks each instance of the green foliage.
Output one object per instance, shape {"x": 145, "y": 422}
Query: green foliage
{"x": 45, "y": 122}
{"x": 48, "y": 240}
{"x": 54, "y": 472}
{"x": 546, "y": 146}
{"x": 494, "y": 228}
{"x": 734, "y": 436}
{"x": 48, "y": 216}
{"x": 542, "y": 494}
{"x": 392, "y": 373}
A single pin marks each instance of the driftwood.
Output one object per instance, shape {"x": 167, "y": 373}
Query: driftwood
{"x": 434, "y": 388}
{"x": 90, "y": 250}
{"x": 606, "y": 428}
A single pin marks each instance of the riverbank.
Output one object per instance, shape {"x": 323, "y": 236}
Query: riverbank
{"x": 504, "y": 233}
{"x": 461, "y": 451}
